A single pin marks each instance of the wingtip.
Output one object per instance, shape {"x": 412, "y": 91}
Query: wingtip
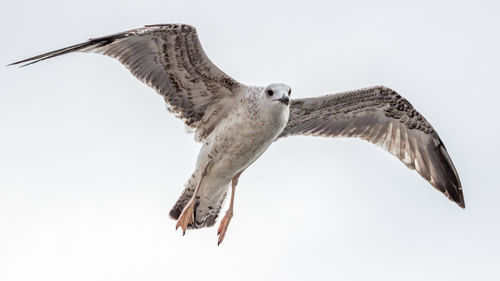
{"x": 19, "y": 63}
{"x": 460, "y": 200}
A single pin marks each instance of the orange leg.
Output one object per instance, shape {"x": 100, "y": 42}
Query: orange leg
{"x": 221, "y": 232}
{"x": 187, "y": 215}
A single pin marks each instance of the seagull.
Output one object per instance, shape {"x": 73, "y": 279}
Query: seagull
{"x": 236, "y": 123}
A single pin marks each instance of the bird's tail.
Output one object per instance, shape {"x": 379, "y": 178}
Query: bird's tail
{"x": 206, "y": 208}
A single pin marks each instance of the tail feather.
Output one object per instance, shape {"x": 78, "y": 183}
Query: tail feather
{"x": 206, "y": 211}
{"x": 176, "y": 210}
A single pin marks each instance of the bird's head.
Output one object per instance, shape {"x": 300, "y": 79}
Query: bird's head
{"x": 278, "y": 93}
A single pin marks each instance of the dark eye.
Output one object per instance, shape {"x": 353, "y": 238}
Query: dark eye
{"x": 289, "y": 92}
{"x": 270, "y": 93}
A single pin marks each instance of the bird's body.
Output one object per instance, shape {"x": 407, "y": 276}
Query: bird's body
{"x": 235, "y": 143}
{"x": 236, "y": 123}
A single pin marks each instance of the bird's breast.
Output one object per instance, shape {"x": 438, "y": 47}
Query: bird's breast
{"x": 240, "y": 139}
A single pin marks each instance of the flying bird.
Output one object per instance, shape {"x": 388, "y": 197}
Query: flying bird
{"x": 236, "y": 123}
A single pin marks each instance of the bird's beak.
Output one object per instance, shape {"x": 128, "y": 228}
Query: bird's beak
{"x": 284, "y": 100}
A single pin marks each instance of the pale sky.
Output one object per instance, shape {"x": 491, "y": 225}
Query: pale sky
{"x": 91, "y": 162}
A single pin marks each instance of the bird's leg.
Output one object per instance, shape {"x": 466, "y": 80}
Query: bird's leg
{"x": 187, "y": 215}
{"x": 221, "y": 232}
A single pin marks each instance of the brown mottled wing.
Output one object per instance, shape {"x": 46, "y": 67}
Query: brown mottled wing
{"x": 169, "y": 58}
{"x": 380, "y": 116}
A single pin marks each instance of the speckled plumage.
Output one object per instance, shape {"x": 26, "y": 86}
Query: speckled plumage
{"x": 236, "y": 123}
{"x": 169, "y": 59}
{"x": 251, "y": 126}
{"x": 380, "y": 116}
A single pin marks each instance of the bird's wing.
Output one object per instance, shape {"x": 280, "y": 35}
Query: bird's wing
{"x": 169, "y": 58}
{"x": 380, "y": 116}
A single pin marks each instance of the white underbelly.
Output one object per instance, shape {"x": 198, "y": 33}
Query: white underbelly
{"x": 232, "y": 147}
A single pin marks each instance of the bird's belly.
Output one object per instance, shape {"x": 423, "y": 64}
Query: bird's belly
{"x": 235, "y": 147}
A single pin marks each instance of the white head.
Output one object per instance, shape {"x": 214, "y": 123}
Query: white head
{"x": 278, "y": 94}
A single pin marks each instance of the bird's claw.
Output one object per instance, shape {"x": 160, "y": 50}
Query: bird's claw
{"x": 186, "y": 218}
{"x": 224, "y": 223}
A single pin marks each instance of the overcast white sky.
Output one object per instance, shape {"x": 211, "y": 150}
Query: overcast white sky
{"x": 91, "y": 162}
